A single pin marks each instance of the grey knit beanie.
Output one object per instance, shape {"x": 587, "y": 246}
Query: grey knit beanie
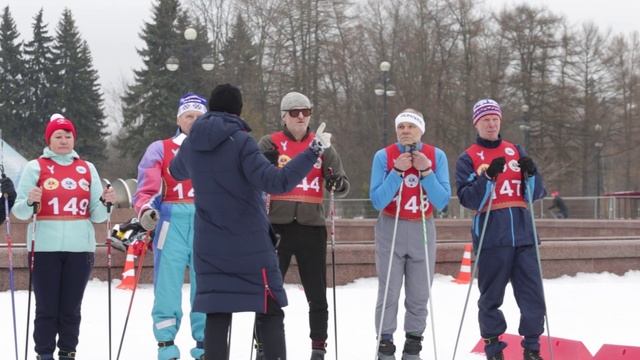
{"x": 294, "y": 100}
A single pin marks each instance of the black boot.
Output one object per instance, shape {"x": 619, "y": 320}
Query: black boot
{"x": 66, "y": 355}
{"x": 412, "y": 347}
{"x": 259, "y": 351}
{"x": 386, "y": 350}
{"x": 317, "y": 354}
{"x": 491, "y": 345}
{"x": 531, "y": 355}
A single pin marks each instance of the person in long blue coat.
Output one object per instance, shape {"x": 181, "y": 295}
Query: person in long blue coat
{"x": 234, "y": 247}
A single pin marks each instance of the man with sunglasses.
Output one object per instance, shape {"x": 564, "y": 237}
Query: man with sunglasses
{"x": 299, "y": 216}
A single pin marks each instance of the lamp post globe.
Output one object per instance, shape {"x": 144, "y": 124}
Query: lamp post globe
{"x": 190, "y": 34}
{"x": 172, "y": 63}
{"x": 207, "y": 63}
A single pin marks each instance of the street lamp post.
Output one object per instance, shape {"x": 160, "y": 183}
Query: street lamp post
{"x": 598, "y": 144}
{"x": 525, "y": 126}
{"x": 173, "y": 63}
{"x": 385, "y": 89}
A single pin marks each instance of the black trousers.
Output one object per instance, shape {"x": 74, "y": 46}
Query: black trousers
{"x": 309, "y": 245}
{"x": 269, "y": 329}
{"x": 59, "y": 281}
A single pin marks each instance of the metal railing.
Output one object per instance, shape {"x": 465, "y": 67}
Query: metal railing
{"x": 580, "y": 207}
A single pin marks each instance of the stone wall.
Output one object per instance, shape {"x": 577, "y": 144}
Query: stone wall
{"x": 568, "y": 247}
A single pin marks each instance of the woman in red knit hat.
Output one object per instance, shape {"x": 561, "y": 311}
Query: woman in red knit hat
{"x": 66, "y": 194}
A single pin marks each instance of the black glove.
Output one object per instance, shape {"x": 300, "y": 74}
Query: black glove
{"x": 527, "y": 166}
{"x": 496, "y": 167}
{"x": 272, "y": 155}
{"x": 6, "y": 187}
{"x": 335, "y": 182}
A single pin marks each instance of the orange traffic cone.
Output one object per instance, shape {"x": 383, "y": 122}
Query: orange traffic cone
{"x": 464, "y": 276}
{"x": 129, "y": 272}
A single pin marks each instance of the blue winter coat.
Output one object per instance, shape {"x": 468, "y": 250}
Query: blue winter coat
{"x": 506, "y": 227}
{"x": 234, "y": 256}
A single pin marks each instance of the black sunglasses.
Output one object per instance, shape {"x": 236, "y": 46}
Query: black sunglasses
{"x": 296, "y": 112}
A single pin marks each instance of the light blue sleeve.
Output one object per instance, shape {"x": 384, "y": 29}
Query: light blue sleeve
{"x": 383, "y": 185}
{"x": 28, "y": 180}
{"x": 437, "y": 184}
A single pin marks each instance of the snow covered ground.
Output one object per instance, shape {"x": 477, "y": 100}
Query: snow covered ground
{"x": 593, "y": 308}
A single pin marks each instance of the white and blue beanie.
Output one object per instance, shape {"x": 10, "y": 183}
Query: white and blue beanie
{"x": 411, "y": 117}
{"x": 191, "y": 102}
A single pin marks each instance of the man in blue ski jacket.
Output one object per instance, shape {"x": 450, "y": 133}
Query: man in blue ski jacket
{"x": 493, "y": 167}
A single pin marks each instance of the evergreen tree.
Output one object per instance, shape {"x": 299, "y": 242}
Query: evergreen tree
{"x": 240, "y": 67}
{"x": 12, "y": 99}
{"x": 38, "y": 80}
{"x": 78, "y": 95}
{"x": 150, "y": 103}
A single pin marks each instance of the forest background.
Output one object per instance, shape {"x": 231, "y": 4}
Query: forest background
{"x": 569, "y": 92}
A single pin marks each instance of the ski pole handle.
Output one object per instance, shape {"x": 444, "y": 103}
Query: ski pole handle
{"x": 333, "y": 186}
{"x": 108, "y": 204}
{"x": 36, "y": 207}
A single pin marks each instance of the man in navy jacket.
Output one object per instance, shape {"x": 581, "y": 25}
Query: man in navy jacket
{"x": 235, "y": 259}
{"x": 493, "y": 167}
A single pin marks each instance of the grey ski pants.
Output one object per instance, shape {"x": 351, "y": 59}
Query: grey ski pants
{"x": 408, "y": 265}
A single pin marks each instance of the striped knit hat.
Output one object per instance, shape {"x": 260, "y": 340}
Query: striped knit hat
{"x": 486, "y": 107}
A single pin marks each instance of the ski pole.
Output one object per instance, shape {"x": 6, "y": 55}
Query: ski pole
{"x": 11, "y": 275}
{"x": 475, "y": 264}
{"x": 535, "y": 239}
{"x": 36, "y": 208}
{"x": 229, "y": 337}
{"x": 332, "y": 215}
{"x": 391, "y": 253}
{"x": 253, "y": 340}
{"x": 133, "y": 294}
{"x": 423, "y": 207}
{"x": 108, "y": 243}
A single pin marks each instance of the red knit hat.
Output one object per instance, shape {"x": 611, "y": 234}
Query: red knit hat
{"x": 58, "y": 122}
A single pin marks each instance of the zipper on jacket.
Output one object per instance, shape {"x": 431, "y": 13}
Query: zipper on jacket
{"x": 267, "y": 289}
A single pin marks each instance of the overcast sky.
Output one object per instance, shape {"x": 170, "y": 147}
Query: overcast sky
{"x": 112, "y": 27}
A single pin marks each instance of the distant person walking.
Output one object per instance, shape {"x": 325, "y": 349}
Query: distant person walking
{"x": 558, "y": 207}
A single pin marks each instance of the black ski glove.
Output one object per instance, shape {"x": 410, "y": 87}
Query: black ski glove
{"x": 527, "y": 166}
{"x": 272, "y": 154}
{"x": 335, "y": 182}
{"x": 6, "y": 187}
{"x": 496, "y": 167}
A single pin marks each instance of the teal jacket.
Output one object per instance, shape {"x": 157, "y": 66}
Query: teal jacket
{"x": 59, "y": 235}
